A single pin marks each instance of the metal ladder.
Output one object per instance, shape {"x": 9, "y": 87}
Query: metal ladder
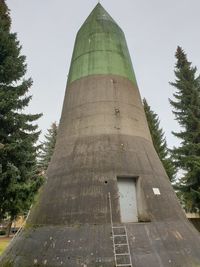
{"x": 121, "y": 247}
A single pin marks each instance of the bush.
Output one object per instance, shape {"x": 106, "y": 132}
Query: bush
{"x": 2, "y": 232}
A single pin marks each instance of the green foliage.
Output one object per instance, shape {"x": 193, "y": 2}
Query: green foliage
{"x": 19, "y": 179}
{"x": 47, "y": 147}
{"x": 159, "y": 140}
{"x": 186, "y": 108}
{"x": 5, "y": 20}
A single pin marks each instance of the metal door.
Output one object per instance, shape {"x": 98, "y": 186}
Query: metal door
{"x": 127, "y": 199}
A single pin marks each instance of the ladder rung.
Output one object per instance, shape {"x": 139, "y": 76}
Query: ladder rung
{"x": 119, "y": 235}
{"x": 125, "y": 264}
{"x": 123, "y": 244}
{"x": 118, "y": 227}
{"x": 122, "y": 254}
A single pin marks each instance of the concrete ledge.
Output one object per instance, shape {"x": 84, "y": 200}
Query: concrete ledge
{"x": 193, "y": 215}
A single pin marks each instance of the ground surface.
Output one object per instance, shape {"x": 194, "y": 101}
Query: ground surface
{"x": 4, "y": 241}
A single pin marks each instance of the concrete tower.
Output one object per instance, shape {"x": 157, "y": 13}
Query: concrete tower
{"x": 107, "y": 201}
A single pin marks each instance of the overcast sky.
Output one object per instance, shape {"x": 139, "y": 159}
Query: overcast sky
{"x": 153, "y": 29}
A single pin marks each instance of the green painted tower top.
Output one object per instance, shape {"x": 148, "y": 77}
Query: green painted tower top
{"x": 100, "y": 48}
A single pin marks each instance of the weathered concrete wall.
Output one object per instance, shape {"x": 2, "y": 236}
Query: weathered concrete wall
{"x": 70, "y": 224}
{"x": 96, "y": 144}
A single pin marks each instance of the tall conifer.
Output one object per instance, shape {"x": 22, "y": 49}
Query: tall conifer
{"x": 47, "y": 147}
{"x": 159, "y": 140}
{"x": 186, "y": 108}
{"x": 18, "y": 133}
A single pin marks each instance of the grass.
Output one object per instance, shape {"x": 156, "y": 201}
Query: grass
{"x": 4, "y": 241}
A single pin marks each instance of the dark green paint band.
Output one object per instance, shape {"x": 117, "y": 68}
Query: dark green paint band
{"x": 100, "y": 48}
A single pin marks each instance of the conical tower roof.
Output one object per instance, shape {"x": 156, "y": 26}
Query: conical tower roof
{"x": 99, "y": 13}
{"x": 100, "y": 48}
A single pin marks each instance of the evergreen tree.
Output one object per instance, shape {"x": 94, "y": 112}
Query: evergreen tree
{"x": 159, "y": 140}
{"x": 19, "y": 180}
{"x": 186, "y": 108}
{"x": 47, "y": 147}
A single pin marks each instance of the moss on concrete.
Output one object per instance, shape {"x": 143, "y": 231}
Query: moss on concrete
{"x": 100, "y": 48}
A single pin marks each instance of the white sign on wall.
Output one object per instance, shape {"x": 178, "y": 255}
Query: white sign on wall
{"x": 156, "y": 191}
